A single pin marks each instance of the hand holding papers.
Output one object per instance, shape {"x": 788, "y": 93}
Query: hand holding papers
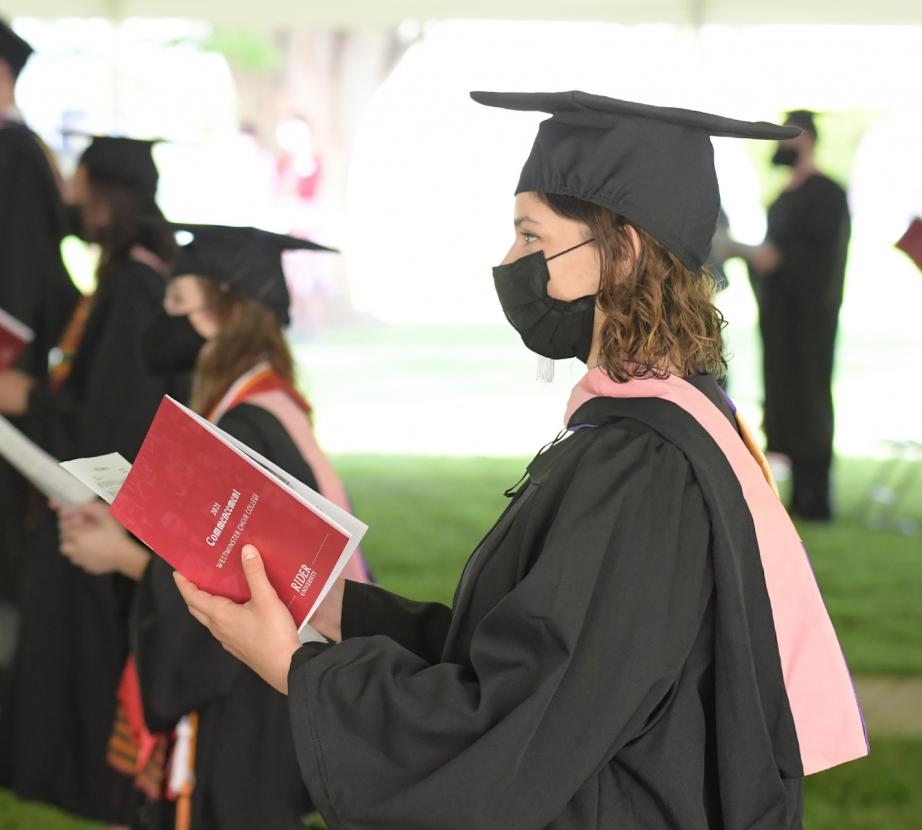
{"x": 259, "y": 633}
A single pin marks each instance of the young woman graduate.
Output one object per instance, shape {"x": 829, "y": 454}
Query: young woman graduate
{"x": 638, "y": 642}
{"x": 100, "y": 398}
{"x": 232, "y": 762}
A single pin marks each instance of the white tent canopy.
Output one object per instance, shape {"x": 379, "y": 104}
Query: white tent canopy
{"x": 352, "y": 13}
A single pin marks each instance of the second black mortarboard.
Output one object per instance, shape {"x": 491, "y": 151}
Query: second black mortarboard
{"x": 652, "y": 165}
{"x": 126, "y": 160}
{"x": 805, "y": 119}
{"x": 246, "y": 260}
{"x": 13, "y": 49}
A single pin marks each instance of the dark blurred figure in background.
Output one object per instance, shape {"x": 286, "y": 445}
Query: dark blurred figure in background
{"x": 57, "y": 719}
{"x": 34, "y": 287}
{"x": 798, "y": 274}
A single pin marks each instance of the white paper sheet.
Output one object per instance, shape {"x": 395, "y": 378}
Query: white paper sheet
{"x": 40, "y": 468}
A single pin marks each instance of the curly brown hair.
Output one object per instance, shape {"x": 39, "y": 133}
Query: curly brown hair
{"x": 659, "y": 316}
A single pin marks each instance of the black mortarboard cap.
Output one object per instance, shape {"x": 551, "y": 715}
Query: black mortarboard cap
{"x": 13, "y": 49}
{"x": 804, "y": 119}
{"x": 652, "y": 165}
{"x": 126, "y": 160}
{"x": 247, "y": 260}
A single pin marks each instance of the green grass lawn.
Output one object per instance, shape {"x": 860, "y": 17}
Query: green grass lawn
{"x": 427, "y": 514}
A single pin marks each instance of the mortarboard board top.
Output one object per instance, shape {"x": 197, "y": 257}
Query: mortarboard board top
{"x": 120, "y": 159}
{"x": 246, "y": 259}
{"x": 652, "y": 165}
{"x": 804, "y": 119}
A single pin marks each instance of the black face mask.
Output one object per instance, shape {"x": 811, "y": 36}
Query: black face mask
{"x": 170, "y": 346}
{"x": 786, "y": 157}
{"x": 552, "y": 328}
{"x": 73, "y": 222}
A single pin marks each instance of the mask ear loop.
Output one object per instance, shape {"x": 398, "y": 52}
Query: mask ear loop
{"x": 545, "y": 369}
{"x": 572, "y": 248}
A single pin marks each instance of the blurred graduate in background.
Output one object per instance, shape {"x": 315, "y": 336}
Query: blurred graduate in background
{"x": 223, "y": 733}
{"x": 101, "y": 396}
{"x": 798, "y": 277}
{"x": 34, "y": 287}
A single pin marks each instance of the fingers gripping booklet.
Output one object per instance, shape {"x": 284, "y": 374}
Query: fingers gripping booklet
{"x": 195, "y": 496}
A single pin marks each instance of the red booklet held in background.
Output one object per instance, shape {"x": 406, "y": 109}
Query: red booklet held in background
{"x": 195, "y": 496}
{"x": 14, "y": 337}
{"x": 911, "y": 242}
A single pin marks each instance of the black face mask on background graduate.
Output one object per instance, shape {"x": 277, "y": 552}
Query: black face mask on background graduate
{"x": 170, "y": 346}
{"x": 556, "y": 329}
{"x": 786, "y": 157}
{"x": 73, "y": 222}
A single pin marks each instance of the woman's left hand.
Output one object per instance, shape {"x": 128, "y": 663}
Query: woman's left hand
{"x": 14, "y": 391}
{"x": 260, "y": 633}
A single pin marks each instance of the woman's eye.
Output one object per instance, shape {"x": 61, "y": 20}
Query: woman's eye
{"x": 529, "y": 238}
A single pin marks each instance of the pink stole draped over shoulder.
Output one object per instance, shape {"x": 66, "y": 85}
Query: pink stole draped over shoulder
{"x": 827, "y": 715}
{"x": 260, "y": 386}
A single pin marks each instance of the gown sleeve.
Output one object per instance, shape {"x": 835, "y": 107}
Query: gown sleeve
{"x": 181, "y": 667}
{"x": 565, "y": 669}
{"x": 420, "y": 627}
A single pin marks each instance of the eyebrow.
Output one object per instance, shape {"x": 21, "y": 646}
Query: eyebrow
{"x": 521, "y": 220}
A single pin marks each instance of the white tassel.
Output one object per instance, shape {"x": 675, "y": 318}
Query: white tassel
{"x": 545, "y": 369}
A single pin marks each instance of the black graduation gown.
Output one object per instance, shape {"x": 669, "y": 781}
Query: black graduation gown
{"x": 798, "y": 316}
{"x": 246, "y": 774}
{"x": 34, "y": 284}
{"x": 74, "y": 636}
{"x": 594, "y": 671}
{"x": 36, "y": 289}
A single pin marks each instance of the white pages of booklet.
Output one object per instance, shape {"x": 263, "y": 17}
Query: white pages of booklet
{"x": 40, "y": 468}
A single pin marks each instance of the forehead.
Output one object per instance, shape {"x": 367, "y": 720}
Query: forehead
{"x": 531, "y": 206}
{"x": 184, "y": 285}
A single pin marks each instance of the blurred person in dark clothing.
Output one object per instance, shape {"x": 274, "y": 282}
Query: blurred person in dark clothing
{"x": 34, "y": 287}
{"x": 798, "y": 274}
{"x": 57, "y": 717}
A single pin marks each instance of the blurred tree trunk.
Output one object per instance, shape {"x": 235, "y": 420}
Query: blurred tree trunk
{"x": 327, "y": 77}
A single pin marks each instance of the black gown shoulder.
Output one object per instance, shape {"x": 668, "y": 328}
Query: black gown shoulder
{"x": 575, "y": 684}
